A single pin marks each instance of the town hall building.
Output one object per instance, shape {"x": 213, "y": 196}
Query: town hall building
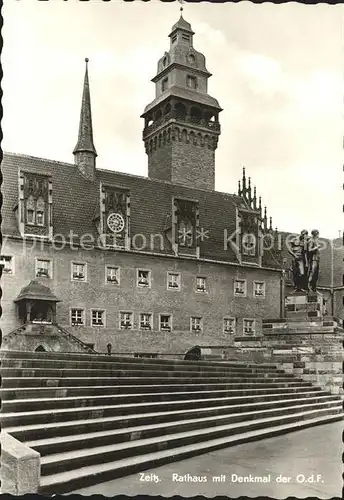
{"x": 93, "y": 257}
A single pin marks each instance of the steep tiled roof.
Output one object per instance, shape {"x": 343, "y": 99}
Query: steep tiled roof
{"x": 76, "y": 203}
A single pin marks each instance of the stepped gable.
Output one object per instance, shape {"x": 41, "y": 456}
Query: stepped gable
{"x": 76, "y": 202}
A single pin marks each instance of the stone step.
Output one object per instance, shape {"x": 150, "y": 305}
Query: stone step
{"x": 68, "y": 481}
{"x": 32, "y": 404}
{"x": 116, "y": 365}
{"x": 27, "y": 432}
{"x": 114, "y": 372}
{"x": 139, "y": 390}
{"x": 76, "y": 459}
{"x": 45, "y": 416}
{"x": 127, "y": 359}
{"x": 51, "y": 445}
{"x": 300, "y": 330}
{"x": 37, "y": 381}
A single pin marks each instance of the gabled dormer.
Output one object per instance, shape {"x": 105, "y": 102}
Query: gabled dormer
{"x": 34, "y": 209}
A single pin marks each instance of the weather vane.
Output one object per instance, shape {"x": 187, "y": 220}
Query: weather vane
{"x": 181, "y": 5}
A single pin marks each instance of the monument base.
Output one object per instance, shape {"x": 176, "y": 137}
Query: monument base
{"x": 308, "y": 305}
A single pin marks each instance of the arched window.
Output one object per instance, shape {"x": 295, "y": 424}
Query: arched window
{"x": 30, "y": 210}
{"x": 180, "y": 109}
{"x": 196, "y": 114}
{"x": 191, "y": 59}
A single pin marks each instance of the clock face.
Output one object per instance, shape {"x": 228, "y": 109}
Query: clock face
{"x": 115, "y": 222}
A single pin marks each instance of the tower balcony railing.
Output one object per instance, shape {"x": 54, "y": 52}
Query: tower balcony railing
{"x": 175, "y": 115}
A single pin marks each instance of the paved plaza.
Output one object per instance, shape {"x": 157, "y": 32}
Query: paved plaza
{"x": 305, "y": 463}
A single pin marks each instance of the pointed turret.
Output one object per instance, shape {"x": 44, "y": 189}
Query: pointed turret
{"x": 254, "y": 198}
{"x": 265, "y": 220}
{"x": 84, "y": 152}
{"x": 249, "y": 191}
{"x": 239, "y": 188}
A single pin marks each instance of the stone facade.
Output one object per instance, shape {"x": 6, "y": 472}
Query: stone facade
{"x": 212, "y": 306}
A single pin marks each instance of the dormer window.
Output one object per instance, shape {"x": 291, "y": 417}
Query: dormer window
{"x": 191, "y": 82}
{"x": 35, "y": 204}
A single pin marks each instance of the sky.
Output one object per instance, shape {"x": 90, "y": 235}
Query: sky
{"x": 277, "y": 73}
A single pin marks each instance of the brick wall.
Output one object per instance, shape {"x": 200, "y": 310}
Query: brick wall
{"x": 95, "y": 293}
{"x": 183, "y": 163}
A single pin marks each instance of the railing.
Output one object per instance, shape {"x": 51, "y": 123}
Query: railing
{"x": 184, "y": 118}
{"x": 74, "y": 339}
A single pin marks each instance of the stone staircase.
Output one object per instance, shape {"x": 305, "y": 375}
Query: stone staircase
{"x": 93, "y": 418}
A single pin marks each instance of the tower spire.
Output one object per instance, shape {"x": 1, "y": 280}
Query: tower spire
{"x": 84, "y": 152}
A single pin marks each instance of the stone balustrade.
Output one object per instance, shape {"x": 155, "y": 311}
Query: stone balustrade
{"x": 20, "y": 467}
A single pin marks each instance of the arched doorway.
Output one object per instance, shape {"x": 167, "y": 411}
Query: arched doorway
{"x": 40, "y": 348}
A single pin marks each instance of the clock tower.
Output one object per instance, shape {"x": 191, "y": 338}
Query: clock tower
{"x": 181, "y": 127}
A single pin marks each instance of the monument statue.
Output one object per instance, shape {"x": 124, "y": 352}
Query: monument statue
{"x": 305, "y": 264}
{"x": 299, "y": 251}
{"x": 313, "y": 252}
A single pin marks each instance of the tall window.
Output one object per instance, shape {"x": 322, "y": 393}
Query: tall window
{"x": 40, "y": 205}
{"x": 201, "y": 284}
{"x": 229, "y": 325}
{"x": 126, "y": 320}
{"x": 240, "y": 288}
{"x": 6, "y": 262}
{"x": 143, "y": 278}
{"x": 43, "y": 268}
{"x": 173, "y": 281}
{"x": 146, "y": 321}
{"x": 249, "y": 244}
{"x": 196, "y": 324}
{"x": 97, "y": 317}
{"x": 112, "y": 275}
{"x": 165, "y": 322}
{"x": 191, "y": 82}
{"x": 259, "y": 289}
{"x": 164, "y": 84}
{"x": 249, "y": 326}
{"x": 186, "y": 214}
{"x": 77, "y": 317}
{"x": 30, "y": 210}
{"x": 78, "y": 271}
{"x": 35, "y": 211}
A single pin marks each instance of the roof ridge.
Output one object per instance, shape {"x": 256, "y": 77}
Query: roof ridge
{"x": 40, "y": 158}
{"x": 126, "y": 174}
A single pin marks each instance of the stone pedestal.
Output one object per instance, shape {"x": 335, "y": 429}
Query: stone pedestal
{"x": 304, "y": 306}
{"x": 306, "y": 342}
